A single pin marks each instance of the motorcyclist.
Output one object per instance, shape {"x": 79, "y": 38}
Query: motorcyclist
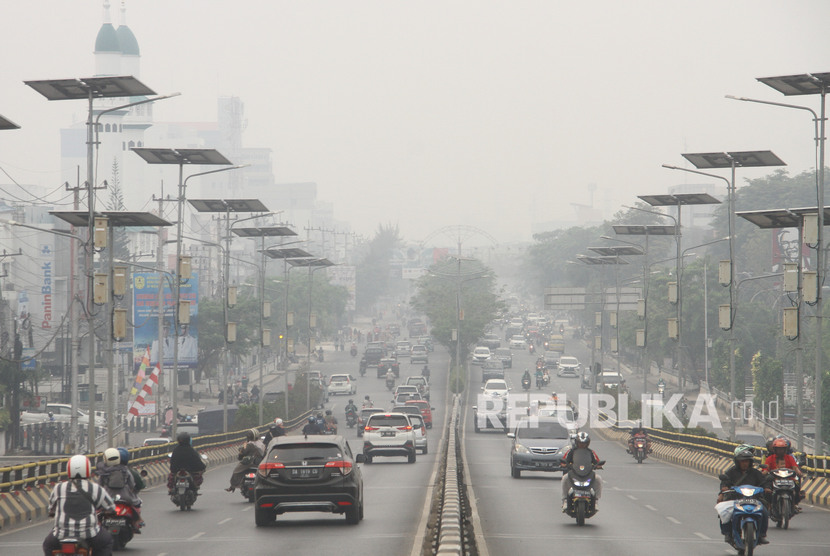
{"x": 185, "y": 458}
{"x": 250, "y": 454}
{"x": 312, "y": 428}
{"x": 780, "y": 459}
{"x": 580, "y": 442}
{"x": 351, "y": 408}
{"x": 638, "y": 431}
{"x": 425, "y": 372}
{"x": 743, "y": 473}
{"x": 118, "y": 480}
{"x": 390, "y": 378}
{"x": 367, "y": 401}
{"x": 526, "y": 377}
{"x": 73, "y": 503}
{"x": 540, "y": 375}
{"x": 331, "y": 422}
{"x": 554, "y": 398}
{"x": 274, "y": 430}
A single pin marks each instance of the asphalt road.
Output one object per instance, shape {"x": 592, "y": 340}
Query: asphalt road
{"x": 223, "y": 523}
{"x": 652, "y": 508}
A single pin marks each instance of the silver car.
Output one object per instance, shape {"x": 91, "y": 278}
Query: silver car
{"x": 420, "y": 432}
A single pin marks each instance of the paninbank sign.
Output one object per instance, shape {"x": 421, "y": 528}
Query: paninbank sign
{"x": 46, "y": 261}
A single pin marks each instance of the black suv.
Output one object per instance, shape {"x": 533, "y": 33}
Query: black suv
{"x": 309, "y": 474}
{"x": 372, "y": 356}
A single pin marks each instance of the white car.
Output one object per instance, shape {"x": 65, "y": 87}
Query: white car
{"x": 420, "y": 432}
{"x": 480, "y": 355}
{"x": 518, "y": 342}
{"x": 403, "y": 349}
{"x": 342, "y": 384}
{"x": 389, "y": 434}
{"x": 61, "y": 413}
{"x": 495, "y": 388}
{"x": 569, "y": 367}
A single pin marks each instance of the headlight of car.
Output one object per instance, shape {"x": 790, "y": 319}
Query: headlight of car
{"x": 521, "y": 449}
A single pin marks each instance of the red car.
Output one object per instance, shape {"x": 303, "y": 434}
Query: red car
{"x": 426, "y": 410}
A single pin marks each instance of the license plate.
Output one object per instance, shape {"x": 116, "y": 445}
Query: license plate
{"x": 543, "y": 464}
{"x": 305, "y": 472}
{"x": 113, "y": 522}
{"x": 387, "y": 433}
{"x": 182, "y": 484}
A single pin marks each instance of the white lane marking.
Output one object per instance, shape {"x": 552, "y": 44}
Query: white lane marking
{"x": 632, "y": 497}
{"x": 227, "y": 519}
{"x": 673, "y": 520}
{"x": 702, "y": 536}
{"x": 196, "y": 536}
{"x": 650, "y": 507}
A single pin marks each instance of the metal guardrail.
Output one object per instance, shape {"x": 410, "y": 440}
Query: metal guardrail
{"x": 19, "y": 477}
{"x": 816, "y": 464}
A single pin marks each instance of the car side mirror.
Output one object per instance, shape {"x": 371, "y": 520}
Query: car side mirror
{"x": 432, "y": 409}
{"x": 360, "y": 458}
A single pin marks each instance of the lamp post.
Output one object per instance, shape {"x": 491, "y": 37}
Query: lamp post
{"x": 811, "y": 84}
{"x": 262, "y": 233}
{"x": 90, "y": 88}
{"x": 285, "y": 254}
{"x": 732, "y": 160}
{"x": 312, "y": 265}
{"x": 181, "y": 157}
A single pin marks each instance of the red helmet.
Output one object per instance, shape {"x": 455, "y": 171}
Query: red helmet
{"x": 780, "y": 443}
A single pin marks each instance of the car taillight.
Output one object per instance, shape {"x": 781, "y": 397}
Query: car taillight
{"x": 406, "y": 428}
{"x": 370, "y": 429}
{"x": 345, "y": 467}
{"x": 68, "y": 548}
{"x": 265, "y": 467}
{"x": 423, "y": 430}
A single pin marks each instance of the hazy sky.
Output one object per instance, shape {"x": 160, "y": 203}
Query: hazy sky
{"x": 436, "y": 113}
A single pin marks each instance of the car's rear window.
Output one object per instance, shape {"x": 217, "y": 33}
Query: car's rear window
{"x": 388, "y": 421}
{"x": 542, "y": 429}
{"x": 416, "y": 421}
{"x": 414, "y": 410}
{"x": 366, "y": 412}
{"x": 289, "y": 453}
{"x": 418, "y": 403}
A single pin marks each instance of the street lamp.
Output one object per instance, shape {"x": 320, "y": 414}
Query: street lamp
{"x": 285, "y": 254}
{"x": 262, "y": 233}
{"x": 312, "y": 265}
{"x": 113, "y": 220}
{"x": 790, "y": 218}
{"x": 180, "y": 157}
{"x": 732, "y": 160}
{"x": 90, "y": 88}
{"x": 810, "y": 84}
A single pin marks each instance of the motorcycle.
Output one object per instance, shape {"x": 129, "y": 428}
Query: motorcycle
{"x": 782, "y": 509}
{"x": 120, "y": 524}
{"x": 353, "y": 350}
{"x": 73, "y": 547}
{"x": 526, "y": 383}
{"x": 661, "y": 389}
{"x": 540, "y": 381}
{"x": 581, "y": 497}
{"x": 351, "y": 419}
{"x": 531, "y": 349}
{"x": 390, "y": 384}
{"x": 320, "y": 355}
{"x": 184, "y": 490}
{"x": 639, "y": 448}
{"x": 747, "y": 516}
{"x": 247, "y": 488}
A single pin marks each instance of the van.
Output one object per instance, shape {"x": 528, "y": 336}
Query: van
{"x": 610, "y": 379}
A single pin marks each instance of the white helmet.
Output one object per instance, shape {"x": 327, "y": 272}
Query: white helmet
{"x": 112, "y": 457}
{"x": 78, "y": 467}
{"x": 278, "y": 422}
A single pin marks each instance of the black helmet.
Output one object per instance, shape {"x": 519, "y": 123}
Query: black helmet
{"x": 250, "y": 434}
{"x": 328, "y": 412}
{"x": 183, "y": 438}
{"x": 744, "y": 452}
{"x": 311, "y": 420}
{"x": 366, "y": 397}
{"x": 351, "y": 402}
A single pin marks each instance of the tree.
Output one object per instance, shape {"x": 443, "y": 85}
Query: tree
{"x": 450, "y": 283}
{"x": 372, "y": 273}
{"x": 767, "y": 379}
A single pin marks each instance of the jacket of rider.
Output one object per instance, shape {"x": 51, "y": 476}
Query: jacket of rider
{"x": 569, "y": 457}
{"x": 734, "y": 477}
{"x": 186, "y": 458}
{"x": 118, "y": 481}
{"x": 788, "y": 463}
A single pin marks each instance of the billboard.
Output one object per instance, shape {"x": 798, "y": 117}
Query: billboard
{"x": 145, "y": 319}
